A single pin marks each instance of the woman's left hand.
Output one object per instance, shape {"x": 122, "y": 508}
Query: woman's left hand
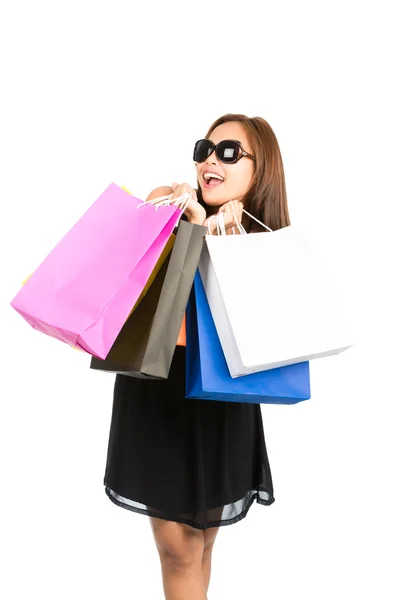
{"x": 230, "y": 210}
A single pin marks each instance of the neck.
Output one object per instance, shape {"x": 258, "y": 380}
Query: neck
{"x": 212, "y": 210}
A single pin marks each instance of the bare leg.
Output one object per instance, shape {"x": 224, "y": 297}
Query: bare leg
{"x": 210, "y": 534}
{"x": 209, "y": 539}
{"x": 180, "y": 548}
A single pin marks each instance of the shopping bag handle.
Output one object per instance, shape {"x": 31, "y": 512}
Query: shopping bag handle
{"x": 257, "y": 221}
{"x": 181, "y": 201}
{"x": 220, "y": 225}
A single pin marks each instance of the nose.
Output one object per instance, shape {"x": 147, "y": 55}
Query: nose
{"x": 212, "y": 158}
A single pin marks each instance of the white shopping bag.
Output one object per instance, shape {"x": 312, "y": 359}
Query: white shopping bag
{"x": 273, "y": 300}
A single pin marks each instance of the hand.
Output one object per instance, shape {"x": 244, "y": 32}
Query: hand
{"x": 230, "y": 210}
{"x": 194, "y": 211}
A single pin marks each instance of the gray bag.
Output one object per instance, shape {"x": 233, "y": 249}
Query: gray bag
{"x": 146, "y": 344}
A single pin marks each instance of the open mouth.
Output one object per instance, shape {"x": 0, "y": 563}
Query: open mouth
{"x": 212, "y": 180}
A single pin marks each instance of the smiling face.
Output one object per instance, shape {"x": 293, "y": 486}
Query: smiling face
{"x": 236, "y": 177}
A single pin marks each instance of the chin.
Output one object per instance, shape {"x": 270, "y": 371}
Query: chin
{"x": 212, "y": 199}
{"x": 214, "y": 202}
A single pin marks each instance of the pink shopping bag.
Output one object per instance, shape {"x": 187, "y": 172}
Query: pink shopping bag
{"x": 84, "y": 290}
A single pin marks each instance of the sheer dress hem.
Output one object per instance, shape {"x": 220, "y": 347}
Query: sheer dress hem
{"x": 241, "y": 507}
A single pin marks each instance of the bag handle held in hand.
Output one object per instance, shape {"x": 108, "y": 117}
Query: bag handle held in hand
{"x": 220, "y": 225}
{"x": 181, "y": 201}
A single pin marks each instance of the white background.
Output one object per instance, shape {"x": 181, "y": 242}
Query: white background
{"x": 95, "y": 92}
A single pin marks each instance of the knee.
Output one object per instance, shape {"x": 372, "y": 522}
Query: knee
{"x": 180, "y": 556}
{"x": 180, "y": 547}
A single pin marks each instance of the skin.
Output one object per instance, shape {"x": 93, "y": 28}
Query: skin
{"x": 185, "y": 556}
{"x": 227, "y": 197}
{"x": 185, "y": 552}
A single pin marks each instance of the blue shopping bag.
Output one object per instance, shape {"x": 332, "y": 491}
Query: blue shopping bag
{"x": 207, "y": 374}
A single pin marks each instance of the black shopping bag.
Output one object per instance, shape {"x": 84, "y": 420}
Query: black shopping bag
{"x": 146, "y": 344}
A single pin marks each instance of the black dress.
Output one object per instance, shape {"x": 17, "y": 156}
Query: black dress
{"x": 199, "y": 462}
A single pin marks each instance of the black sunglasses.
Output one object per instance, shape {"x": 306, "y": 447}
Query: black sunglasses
{"x": 227, "y": 151}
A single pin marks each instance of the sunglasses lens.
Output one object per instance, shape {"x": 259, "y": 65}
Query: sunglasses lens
{"x": 228, "y": 151}
{"x": 202, "y": 150}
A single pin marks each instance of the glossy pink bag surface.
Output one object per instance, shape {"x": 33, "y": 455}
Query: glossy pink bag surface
{"x": 85, "y": 289}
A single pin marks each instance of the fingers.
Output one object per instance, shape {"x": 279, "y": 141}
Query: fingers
{"x": 232, "y": 209}
{"x": 238, "y": 210}
{"x": 178, "y": 189}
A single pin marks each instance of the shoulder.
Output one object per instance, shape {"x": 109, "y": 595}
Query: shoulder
{"x": 164, "y": 190}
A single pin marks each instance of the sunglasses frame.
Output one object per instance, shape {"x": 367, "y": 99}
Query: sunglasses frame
{"x": 215, "y": 147}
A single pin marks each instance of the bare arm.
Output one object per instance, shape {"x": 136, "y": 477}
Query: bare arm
{"x": 194, "y": 212}
{"x": 164, "y": 190}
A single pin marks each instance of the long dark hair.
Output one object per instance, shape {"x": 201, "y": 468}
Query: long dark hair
{"x": 266, "y": 198}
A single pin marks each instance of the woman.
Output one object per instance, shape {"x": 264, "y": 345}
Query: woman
{"x": 193, "y": 465}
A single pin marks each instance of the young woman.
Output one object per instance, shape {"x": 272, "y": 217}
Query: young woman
{"x": 193, "y": 465}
